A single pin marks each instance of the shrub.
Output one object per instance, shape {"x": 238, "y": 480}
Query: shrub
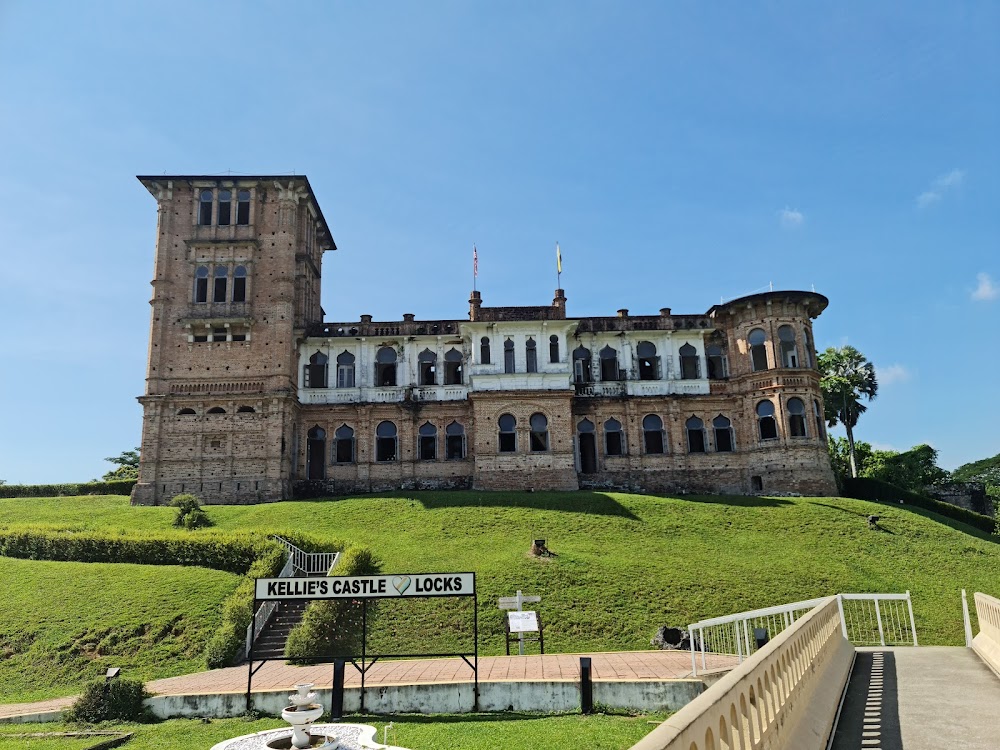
{"x": 117, "y": 700}
{"x": 875, "y": 489}
{"x": 332, "y": 627}
{"x": 116, "y": 487}
{"x": 189, "y": 513}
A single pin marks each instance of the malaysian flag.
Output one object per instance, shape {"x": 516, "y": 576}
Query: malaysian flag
{"x": 475, "y": 261}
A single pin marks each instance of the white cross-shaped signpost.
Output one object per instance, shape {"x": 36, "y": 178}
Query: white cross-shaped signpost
{"x": 516, "y": 603}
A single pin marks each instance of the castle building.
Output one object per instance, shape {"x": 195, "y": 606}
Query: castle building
{"x": 252, "y": 397}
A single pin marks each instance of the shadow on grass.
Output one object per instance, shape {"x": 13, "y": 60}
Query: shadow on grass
{"x": 594, "y": 503}
{"x": 928, "y": 514}
{"x": 471, "y": 718}
{"x": 739, "y": 501}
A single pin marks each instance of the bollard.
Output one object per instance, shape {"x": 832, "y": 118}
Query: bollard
{"x": 337, "y": 693}
{"x": 586, "y": 687}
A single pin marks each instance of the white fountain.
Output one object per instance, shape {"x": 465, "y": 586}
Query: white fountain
{"x": 303, "y": 712}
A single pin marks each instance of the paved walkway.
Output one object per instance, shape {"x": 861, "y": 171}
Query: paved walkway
{"x": 627, "y": 666}
{"x": 924, "y": 698}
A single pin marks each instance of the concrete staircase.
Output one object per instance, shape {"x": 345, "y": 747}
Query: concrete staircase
{"x": 271, "y": 642}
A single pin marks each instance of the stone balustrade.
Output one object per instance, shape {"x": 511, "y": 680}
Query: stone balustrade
{"x": 784, "y": 696}
{"x": 987, "y": 643}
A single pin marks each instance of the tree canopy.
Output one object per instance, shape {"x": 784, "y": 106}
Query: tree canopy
{"x": 127, "y": 463}
{"x": 847, "y": 378}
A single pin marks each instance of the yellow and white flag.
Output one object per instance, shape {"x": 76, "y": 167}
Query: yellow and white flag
{"x": 558, "y": 259}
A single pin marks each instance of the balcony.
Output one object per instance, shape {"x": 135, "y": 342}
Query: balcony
{"x": 605, "y": 389}
{"x": 218, "y": 311}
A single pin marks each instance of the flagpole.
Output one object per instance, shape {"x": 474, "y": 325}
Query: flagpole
{"x": 475, "y": 266}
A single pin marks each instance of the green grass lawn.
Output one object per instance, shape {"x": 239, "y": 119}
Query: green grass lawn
{"x": 63, "y": 624}
{"x": 464, "y": 732}
{"x": 626, "y": 563}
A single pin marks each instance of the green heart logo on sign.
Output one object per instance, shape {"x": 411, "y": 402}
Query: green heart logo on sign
{"x": 401, "y": 583}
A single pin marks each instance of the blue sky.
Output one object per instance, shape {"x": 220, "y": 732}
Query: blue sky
{"x": 680, "y": 152}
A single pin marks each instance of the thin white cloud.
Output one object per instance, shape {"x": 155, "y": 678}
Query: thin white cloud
{"x": 790, "y": 218}
{"x": 891, "y": 374}
{"x": 939, "y": 187}
{"x": 883, "y": 447}
{"x": 987, "y": 290}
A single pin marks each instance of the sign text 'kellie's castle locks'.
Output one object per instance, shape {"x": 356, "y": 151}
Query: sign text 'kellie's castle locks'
{"x": 251, "y": 396}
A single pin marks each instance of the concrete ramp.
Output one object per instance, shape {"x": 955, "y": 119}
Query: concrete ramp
{"x": 927, "y": 698}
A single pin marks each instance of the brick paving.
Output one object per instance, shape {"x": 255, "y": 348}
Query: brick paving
{"x": 628, "y": 666}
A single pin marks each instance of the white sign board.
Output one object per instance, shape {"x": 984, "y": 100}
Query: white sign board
{"x": 523, "y": 622}
{"x": 366, "y": 587}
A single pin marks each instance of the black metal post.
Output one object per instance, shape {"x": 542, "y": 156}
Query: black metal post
{"x": 586, "y": 687}
{"x": 364, "y": 648}
{"x": 475, "y": 635}
{"x": 337, "y": 691}
{"x": 253, "y": 634}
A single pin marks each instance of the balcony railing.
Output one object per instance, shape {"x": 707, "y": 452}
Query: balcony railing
{"x": 205, "y": 310}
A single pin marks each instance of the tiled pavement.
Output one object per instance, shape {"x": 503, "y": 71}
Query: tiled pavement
{"x": 619, "y": 666}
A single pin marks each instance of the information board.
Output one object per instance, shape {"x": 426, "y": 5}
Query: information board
{"x": 523, "y": 622}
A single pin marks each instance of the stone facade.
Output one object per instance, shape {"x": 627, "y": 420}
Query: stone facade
{"x": 252, "y": 397}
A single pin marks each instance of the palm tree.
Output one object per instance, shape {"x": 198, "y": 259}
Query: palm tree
{"x": 847, "y": 377}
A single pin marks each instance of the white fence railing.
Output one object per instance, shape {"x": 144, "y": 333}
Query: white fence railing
{"x": 265, "y": 610}
{"x": 866, "y": 620}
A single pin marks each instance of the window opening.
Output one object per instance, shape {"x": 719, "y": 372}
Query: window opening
{"x": 723, "y": 434}
{"x": 239, "y": 337}
{"x": 581, "y": 365}
{"x": 186, "y": 411}
{"x": 609, "y": 364}
{"x": 508, "y": 356}
{"x": 690, "y": 367}
{"x": 588, "y": 446}
{"x": 786, "y": 342}
{"x": 756, "y": 484}
{"x": 315, "y": 371}
{"x": 316, "y": 453}
{"x": 200, "y": 338}
{"x": 718, "y": 364}
{"x": 240, "y": 284}
{"x": 345, "y": 370}
{"x": 453, "y": 367}
{"x": 796, "y": 417}
{"x": 758, "y": 351}
{"x": 652, "y": 434}
{"x": 205, "y": 208}
{"x": 385, "y": 442}
{"x": 216, "y": 410}
{"x": 344, "y": 445}
{"x": 219, "y": 334}
{"x": 818, "y": 411}
{"x": 539, "y": 432}
{"x": 246, "y": 410}
{"x": 508, "y": 438}
{"x": 201, "y": 284}
{"x": 484, "y": 351}
{"x": 695, "y": 434}
{"x": 428, "y": 442}
{"x": 765, "y": 421}
{"x": 554, "y": 349}
{"x": 613, "y": 443}
{"x": 454, "y": 441}
{"x": 243, "y": 207}
{"x": 225, "y": 207}
{"x": 219, "y": 287}
{"x": 649, "y": 363}
{"x": 809, "y": 348}
{"x": 385, "y": 366}
{"x": 530, "y": 356}
{"x": 427, "y": 367}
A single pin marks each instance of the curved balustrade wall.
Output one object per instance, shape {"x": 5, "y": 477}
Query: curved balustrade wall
{"x": 987, "y": 643}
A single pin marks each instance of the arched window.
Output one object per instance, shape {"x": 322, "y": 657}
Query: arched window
{"x": 201, "y": 284}
{"x": 428, "y": 441}
{"x": 765, "y": 421}
{"x": 587, "y": 444}
{"x": 316, "y": 453}
{"x": 343, "y": 451}
{"x": 246, "y": 410}
{"x": 718, "y": 364}
{"x": 508, "y": 355}
{"x": 225, "y": 207}
{"x": 240, "y": 284}
{"x": 453, "y": 367}
{"x": 818, "y": 411}
{"x": 810, "y": 350}
{"x": 454, "y": 441}
{"x": 614, "y": 444}
{"x": 553, "y": 349}
{"x": 695, "y": 429}
{"x": 539, "y": 432}
{"x": 530, "y": 356}
{"x": 652, "y": 434}
{"x": 345, "y": 370}
{"x": 649, "y": 363}
{"x": 205, "y": 208}
{"x": 243, "y": 207}
{"x": 216, "y": 410}
{"x": 585, "y": 425}
{"x": 315, "y": 371}
{"x": 508, "y": 437}
{"x": 609, "y": 364}
{"x": 690, "y": 367}
{"x": 484, "y": 350}
{"x": 723, "y": 434}
{"x": 385, "y": 441}
{"x": 427, "y": 367}
{"x": 219, "y": 285}
{"x": 385, "y": 366}
{"x": 581, "y": 365}
{"x": 796, "y": 417}
{"x": 186, "y": 412}
{"x": 786, "y": 342}
{"x": 758, "y": 352}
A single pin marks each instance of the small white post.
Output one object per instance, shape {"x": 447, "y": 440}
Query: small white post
{"x": 966, "y": 621}
{"x": 913, "y": 625}
{"x": 843, "y": 621}
{"x": 702, "y": 631}
{"x": 878, "y": 617}
{"x": 520, "y": 636}
{"x": 746, "y": 638}
{"x": 694, "y": 663}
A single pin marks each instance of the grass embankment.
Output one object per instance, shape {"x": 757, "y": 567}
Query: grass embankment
{"x": 626, "y": 563}
{"x": 465, "y": 732}
{"x": 63, "y": 623}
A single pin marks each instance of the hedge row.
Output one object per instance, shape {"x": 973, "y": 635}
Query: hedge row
{"x": 862, "y": 488}
{"x": 115, "y": 487}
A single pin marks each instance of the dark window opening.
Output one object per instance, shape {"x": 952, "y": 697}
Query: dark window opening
{"x": 216, "y": 410}
{"x": 796, "y": 417}
{"x": 723, "y": 434}
{"x": 508, "y": 356}
{"x": 581, "y": 365}
{"x": 239, "y": 337}
{"x": 219, "y": 287}
{"x": 243, "y": 207}
{"x": 690, "y": 367}
{"x": 315, "y": 371}
{"x": 453, "y": 367}
{"x": 427, "y": 368}
{"x": 225, "y": 207}
{"x": 588, "y": 447}
{"x": 246, "y": 410}
{"x": 758, "y": 351}
{"x": 539, "y": 433}
{"x": 756, "y": 484}
{"x": 718, "y": 367}
{"x": 344, "y": 445}
{"x": 609, "y": 364}
{"x": 454, "y": 441}
{"x": 200, "y": 338}
{"x": 652, "y": 434}
{"x": 530, "y": 356}
{"x": 613, "y": 443}
{"x": 508, "y": 438}
{"x": 819, "y": 418}
{"x": 428, "y": 442}
{"x": 201, "y": 284}
{"x": 553, "y": 349}
{"x": 765, "y": 421}
{"x": 695, "y": 434}
{"x": 186, "y": 411}
{"x": 649, "y": 363}
{"x": 786, "y": 343}
{"x": 385, "y": 442}
{"x": 219, "y": 334}
{"x": 484, "y": 351}
{"x": 345, "y": 370}
{"x": 240, "y": 284}
{"x": 205, "y": 208}
{"x": 316, "y": 453}
{"x": 385, "y": 366}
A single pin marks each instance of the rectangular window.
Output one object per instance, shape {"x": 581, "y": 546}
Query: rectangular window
{"x": 225, "y": 212}
{"x": 614, "y": 440}
{"x": 345, "y": 376}
{"x": 428, "y": 447}
{"x": 385, "y": 449}
{"x": 724, "y": 441}
{"x": 201, "y": 290}
{"x": 239, "y": 337}
{"x": 508, "y": 442}
{"x": 531, "y": 360}
{"x": 200, "y": 338}
{"x": 240, "y": 289}
{"x": 243, "y": 207}
{"x": 218, "y": 334}
{"x": 508, "y": 361}
{"x": 345, "y": 451}
{"x": 219, "y": 290}
{"x": 455, "y": 446}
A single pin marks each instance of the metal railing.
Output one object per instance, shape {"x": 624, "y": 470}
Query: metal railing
{"x": 265, "y": 610}
{"x": 866, "y": 620}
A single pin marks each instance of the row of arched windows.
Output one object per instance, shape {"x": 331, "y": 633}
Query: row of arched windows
{"x": 538, "y": 433}
{"x": 530, "y": 353}
{"x": 386, "y": 444}
{"x": 188, "y": 412}
{"x": 649, "y": 367}
{"x": 767, "y": 425}
{"x": 653, "y": 435}
{"x": 220, "y": 284}
{"x": 316, "y": 372}
{"x": 206, "y": 201}
{"x": 787, "y": 354}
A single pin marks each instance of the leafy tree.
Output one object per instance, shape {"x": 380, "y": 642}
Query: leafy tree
{"x": 913, "y": 470}
{"x": 840, "y": 456}
{"x": 128, "y": 466}
{"x": 847, "y": 377}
